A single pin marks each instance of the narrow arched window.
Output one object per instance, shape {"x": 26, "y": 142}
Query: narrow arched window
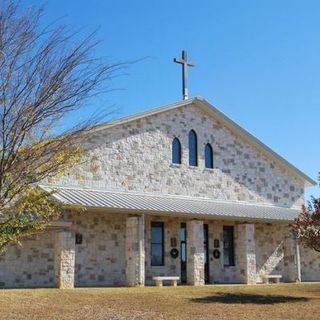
{"x": 208, "y": 156}
{"x": 193, "y": 148}
{"x": 176, "y": 151}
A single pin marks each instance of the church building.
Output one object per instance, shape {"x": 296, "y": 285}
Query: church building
{"x": 180, "y": 190}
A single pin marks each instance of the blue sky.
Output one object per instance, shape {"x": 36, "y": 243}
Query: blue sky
{"x": 257, "y": 61}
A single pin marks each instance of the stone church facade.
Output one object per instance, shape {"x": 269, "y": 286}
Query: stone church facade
{"x": 180, "y": 190}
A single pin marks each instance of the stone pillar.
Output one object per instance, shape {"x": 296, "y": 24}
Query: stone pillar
{"x": 216, "y": 265}
{"x": 135, "y": 251}
{"x": 292, "y": 271}
{"x": 195, "y": 253}
{"x": 246, "y": 253}
{"x": 64, "y": 259}
{"x": 298, "y": 261}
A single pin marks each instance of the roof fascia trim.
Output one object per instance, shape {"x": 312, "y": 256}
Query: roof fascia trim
{"x": 188, "y": 215}
{"x": 143, "y": 114}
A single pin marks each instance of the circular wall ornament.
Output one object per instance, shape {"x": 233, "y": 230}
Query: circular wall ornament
{"x": 174, "y": 253}
{"x": 216, "y": 253}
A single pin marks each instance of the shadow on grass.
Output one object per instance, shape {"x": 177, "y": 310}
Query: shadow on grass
{"x": 234, "y": 298}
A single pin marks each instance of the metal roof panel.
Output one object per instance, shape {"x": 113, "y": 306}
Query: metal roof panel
{"x": 155, "y": 203}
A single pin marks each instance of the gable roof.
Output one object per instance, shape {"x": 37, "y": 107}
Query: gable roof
{"x": 224, "y": 120}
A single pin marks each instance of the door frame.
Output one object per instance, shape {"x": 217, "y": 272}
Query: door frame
{"x": 206, "y": 253}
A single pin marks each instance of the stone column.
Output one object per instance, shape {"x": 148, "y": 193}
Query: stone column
{"x": 64, "y": 259}
{"x": 135, "y": 251}
{"x": 292, "y": 271}
{"x": 217, "y": 266}
{"x": 195, "y": 253}
{"x": 246, "y": 253}
{"x": 298, "y": 261}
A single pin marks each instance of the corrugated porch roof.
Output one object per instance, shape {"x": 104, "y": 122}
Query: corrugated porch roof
{"x": 169, "y": 204}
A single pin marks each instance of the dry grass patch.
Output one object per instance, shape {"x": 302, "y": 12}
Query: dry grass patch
{"x": 285, "y": 301}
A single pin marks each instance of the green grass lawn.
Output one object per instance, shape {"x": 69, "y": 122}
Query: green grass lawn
{"x": 272, "y": 302}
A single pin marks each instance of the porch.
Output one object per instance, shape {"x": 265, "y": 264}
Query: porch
{"x": 125, "y": 239}
{"x": 111, "y": 249}
{"x": 213, "y": 241}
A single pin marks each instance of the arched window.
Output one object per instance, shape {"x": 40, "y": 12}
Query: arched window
{"x": 208, "y": 156}
{"x": 176, "y": 151}
{"x": 193, "y": 148}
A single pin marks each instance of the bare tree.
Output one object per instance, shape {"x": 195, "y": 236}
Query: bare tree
{"x": 45, "y": 74}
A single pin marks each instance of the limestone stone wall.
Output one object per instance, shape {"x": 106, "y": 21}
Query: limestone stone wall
{"x": 137, "y": 157}
{"x": 269, "y": 242}
{"x": 270, "y": 249}
{"x": 30, "y": 264}
{"x": 218, "y": 272}
{"x": 247, "y": 253}
{"x": 290, "y": 258}
{"x": 310, "y": 264}
{"x": 100, "y": 259}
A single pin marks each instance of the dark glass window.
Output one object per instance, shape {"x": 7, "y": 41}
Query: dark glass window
{"x": 206, "y": 252}
{"x": 183, "y": 249}
{"x": 228, "y": 246}
{"x": 208, "y": 156}
{"x": 157, "y": 244}
{"x": 176, "y": 151}
{"x": 193, "y": 148}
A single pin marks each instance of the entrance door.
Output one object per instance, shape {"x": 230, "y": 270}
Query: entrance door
{"x": 183, "y": 250}
{"x": 206, "y": 252}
